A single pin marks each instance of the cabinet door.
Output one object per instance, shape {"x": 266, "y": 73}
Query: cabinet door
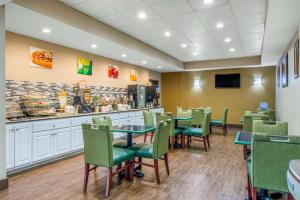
{"x": 23, "y": 144}
{"x": 42, "y": 145}
{"x": 76, "y": 138}
{"x": 10, "y": 146}
{"x": 62, "y": 141}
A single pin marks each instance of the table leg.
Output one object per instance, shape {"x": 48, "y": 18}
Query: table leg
{"x": 129, "y": 140}
{"x": 245, "y": 151}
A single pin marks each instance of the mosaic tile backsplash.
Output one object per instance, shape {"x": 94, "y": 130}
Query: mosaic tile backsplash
{"x": 15, "y": 89}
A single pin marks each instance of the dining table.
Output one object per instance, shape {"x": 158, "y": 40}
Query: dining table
{"x": 244, "y": 138}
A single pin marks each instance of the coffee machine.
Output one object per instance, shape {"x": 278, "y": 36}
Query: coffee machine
{"x": 136, "y": 96}
{"x": 152, "y": 96}
{"x": 83, "y": 100}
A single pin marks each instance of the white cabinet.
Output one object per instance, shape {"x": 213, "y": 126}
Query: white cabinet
{"x": 23, "y": 144}
{"x": 42, "y": 145}
{"x": 76, "y": 138}
{"x": 10, "y": 147}
{"x": 62, "y": 141}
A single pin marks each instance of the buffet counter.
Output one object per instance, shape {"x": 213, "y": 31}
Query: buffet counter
{"x": 34, "y": 141}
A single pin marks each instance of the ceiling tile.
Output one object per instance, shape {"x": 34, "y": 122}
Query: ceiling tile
{"x": 199, "y": 5}
{"x": 251, "y": 19}
{"x": 73, "y": 2}
{"x": 96, "y": 9}
{"x": 121, "y": 5}
{"x": 257, "y": 28}
{"x": 133, "y": 14}
{"x": 171, "y": 8}
{"x": 214, "y": 14}
{"x": 246, "y": 7}
{"x": 117, "y": 20}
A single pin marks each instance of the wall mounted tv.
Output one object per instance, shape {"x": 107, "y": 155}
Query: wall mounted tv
{"x": 227, "y": 80}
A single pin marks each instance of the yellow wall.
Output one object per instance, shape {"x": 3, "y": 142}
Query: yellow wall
{"x": 178, "y": 90}
{"x": 65, "y": 64}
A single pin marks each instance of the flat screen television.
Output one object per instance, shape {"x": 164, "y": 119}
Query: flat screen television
{"x": 227, "y": 80}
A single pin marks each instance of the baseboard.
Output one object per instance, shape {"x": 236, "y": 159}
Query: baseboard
{"x": 3, "y": 184}
{"x": 234, "y": 125}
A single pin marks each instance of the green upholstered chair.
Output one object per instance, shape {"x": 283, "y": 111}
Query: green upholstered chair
{"x": 98, "y": 151}
{"x": 184, "y": 123}
{"x": 248, "y": 120}
{"x": 208, "y": 109}
{"x": 274, "y": 128}
{"x": 269, "y": 162}
{"x": 221, "y": 122}
{"x": 148, "y": 121}
{"x": 199, "y": 134}
{"x": 198, "y": 117}
{"x": 106, "y": 121}
{"x": 157, "y": 150}
{"x": 174, "y": 132}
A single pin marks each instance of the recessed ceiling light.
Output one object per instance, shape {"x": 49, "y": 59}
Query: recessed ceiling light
{"x": 232, "y": 50}
{"x": 142, "y": 15}
{"x": 124, "y": 55}
{"x": 159, "y": 67}
{"x": 207, "y": 1}
{"x": 220, "y": 25}
{"x": 227, "y": 40}
{"x": 167, "y": 34}
{"x": 93, "y": 46}
{"x": 183, "y": 45}
{"x": 195, "y": 53}
{"x": 46, "y": 30}
{"x": 144, "y": 62}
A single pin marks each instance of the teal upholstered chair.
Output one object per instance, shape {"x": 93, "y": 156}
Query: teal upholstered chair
{"x": 174, "y": 132}
{"x": 198, "y": 117}
{"x": 199, "y": 134}
{"x": 106, "y": 121}
{"x": 184, "y": 123}
{"x": 148, "y": 121}
{"x": 269, "y": 162}
{"x": 274, "y": 128}
{"x": 157, "y": 150}
{"x": 222, "y": 122}
{"x": 98, "y": 151}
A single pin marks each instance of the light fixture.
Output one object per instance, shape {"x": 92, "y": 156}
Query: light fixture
{"x": 196, "y": 82}
{"x": 167, "y": 34}
{"x": 207, "y": 1}
{"x": 220, "y": 25}
{"x": 258, "y": 81}
{"x": 46, "y": 30}
{"x": 159, "y": 67}
{"x": 232, "y": 50}
{"x": 144, "y": 62}
{"x": 124, "y": 55}
{"x": 227, "y": 40}
{"x": 195, "y": 53}
{"x": 94, "y": 46}
{"x": 142, "y": 15}
{"x": 183, "y": 45}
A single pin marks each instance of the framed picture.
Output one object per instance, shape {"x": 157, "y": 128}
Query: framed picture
{"x": 40, "y": 58}
{"x": 284, "y": 71}
{"x": 113, "y": 71}
{"x": 133, "y": 75}
{"x": 84, "y": 66}
{"x": 278, "y": 75}
{"x": 296, "y": 59}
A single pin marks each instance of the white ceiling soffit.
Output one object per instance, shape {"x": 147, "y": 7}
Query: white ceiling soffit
{"x": 28, "y": 22}
{"x": 283, "y": 19}
{"x": 2, "y": 2}
{"x": 189, "y": 22}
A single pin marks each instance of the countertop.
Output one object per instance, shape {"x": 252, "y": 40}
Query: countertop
{"x": 66, "y": 115}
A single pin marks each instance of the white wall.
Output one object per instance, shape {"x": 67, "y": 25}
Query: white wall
{"x": 288, "y": 99}
{"x": 2, "y": 94}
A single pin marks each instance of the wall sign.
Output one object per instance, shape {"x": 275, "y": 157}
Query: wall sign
{"x": 84, "y": 66}
{"x": 296, "y": 59}
{"x": 113, "y": 71}
{"x": 40, "y": 58}
{"x": 284, "y": 71}
{"x": 133, "y": 75}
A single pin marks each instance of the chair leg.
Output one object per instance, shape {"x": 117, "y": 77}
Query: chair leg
{"x": 210, "y": 129}
{"x": 119, "y": 167}
{"x": 166, "y": 158}
{"x": 152, "y": 134}
{"x": 290, "y": 197}
{"x": 108, "y": 181}
{"x": 226, "y": 129}
{"x": 205, "y": 145}
{"x": 140, "y": 161}
{"x": 208, "y": 143}
{"x": 188, "y": 138}
{"x": 131, "y": 168}
{"x": 156, "y": 171}
{"x": 182, "y": 141}
{"x": 249, "y": 187}
{"x": 254, "y": 194}
{"x": 145, "y": 137}
{"x": 86, "y": 176}
{"x": 172, "y": 141}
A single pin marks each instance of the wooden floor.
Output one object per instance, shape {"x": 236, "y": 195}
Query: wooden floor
{"x": 219, "y": 174}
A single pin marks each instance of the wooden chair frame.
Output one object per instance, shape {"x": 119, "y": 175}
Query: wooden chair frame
{"x": 151, "y": 134}
{"x": 224, "y": 127}
{"x": 204, "y": 139}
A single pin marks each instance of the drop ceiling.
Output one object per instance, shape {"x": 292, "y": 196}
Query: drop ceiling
{"x": 189, "y": 22}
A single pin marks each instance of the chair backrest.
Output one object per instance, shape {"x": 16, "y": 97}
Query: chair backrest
{"x": 164, "y": 117}
{"x": 224, "y": 116}
{"x": 182, "y": 113}
{"x": 274, "y": 128}
{"x": 161, "y": 138}
{"x": 270, "y": 156}
{"x": 208, "y": 109}
{"x": 248, "y": 121}
{"x": 206, "y": 123}
{"x": 97, "y": 145}
{"x": 106, "y": 121}
{"x": 198, "y": 117}
{"x": 148, "y": 118}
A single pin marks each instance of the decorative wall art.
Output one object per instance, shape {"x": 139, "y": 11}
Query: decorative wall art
{"x": 40, "y": 58}
{"x": 133, "y": 75}
{"x": 113, "y": 71}
{"x": 84, "y": 66}
{"x": 278, "y": 75}
{"x": 296, "y": 59}
{"x": 284, "y": 71}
